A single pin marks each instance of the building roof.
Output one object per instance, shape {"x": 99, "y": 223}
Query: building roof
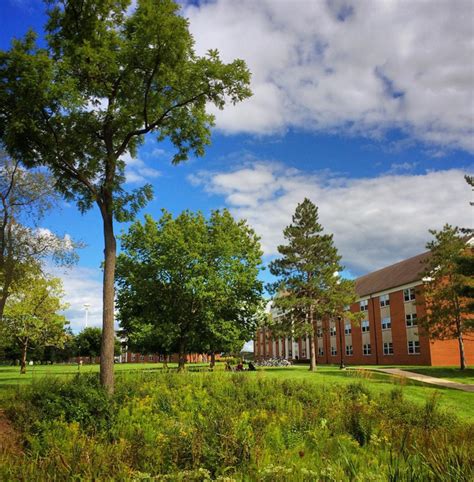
{"x": 397, "y": 274}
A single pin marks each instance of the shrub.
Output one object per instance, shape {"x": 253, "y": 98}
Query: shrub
{"x": 228, "y": 426}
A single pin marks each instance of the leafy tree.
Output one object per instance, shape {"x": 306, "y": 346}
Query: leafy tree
{"x": 89, "y": 340}
{"x": 105, "y": 79}
{"x": 308, "y": 287}
{"x": 31, "y": 316}
{"x": 448, "y": 310}
{"x": 190, "y": 283}
{"x": 24, "y": 197}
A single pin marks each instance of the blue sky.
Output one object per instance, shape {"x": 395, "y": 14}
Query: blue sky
{"x": 365, "y": 107}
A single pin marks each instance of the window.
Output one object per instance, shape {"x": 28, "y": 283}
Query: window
{"x": 411, "y": 319}
{"x": 409, "y": 294}
{"x": 413, "y": 347}
{"x": 332, "y": 331}
{"x": 333, "y": 350}
{"x": 365, "y": 326}
{"x": 320, "y": 333}
{"x": 364, "y": 305}
{"x": 347, "y": 328}
{"x": 385, "y": 300}
{"x": 133, "y": 357}
{"x": 366, "y": 349}
{"x": 142, "y": 357}
{"x": 349, "y": 350}
{"x": 386, "y": 323}
{"x": 320, "y": 351}
{"x": 388, "y": 348}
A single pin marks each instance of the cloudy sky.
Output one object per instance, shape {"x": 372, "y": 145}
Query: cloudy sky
{"x": 365, "y": 107}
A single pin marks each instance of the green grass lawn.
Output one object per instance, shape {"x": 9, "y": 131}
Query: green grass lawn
{"x": 457, "y": 401}
{"x": 449, "y": 373}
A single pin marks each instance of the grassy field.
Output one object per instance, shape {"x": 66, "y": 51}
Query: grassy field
{"x": 461, "y": 403}
{"x": 449, "y": 373}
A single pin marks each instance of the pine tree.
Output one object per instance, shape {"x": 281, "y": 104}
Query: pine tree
{"x": 448, "y": 310}
{"x": 308, "y": 287}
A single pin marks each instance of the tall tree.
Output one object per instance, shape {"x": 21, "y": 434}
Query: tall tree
{"x": 448, "y": 310}
{"x": 309, "y": 287}
{"x": 24, "y": 198}
{"x": 190, "y": 283}
{"x": 106, "y": 78}
{"x": 32, "y": 317}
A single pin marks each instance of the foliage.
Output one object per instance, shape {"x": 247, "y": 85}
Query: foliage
{"x": 31, "y": 316}
{"x": 25, "y": 196}
{"x": 219, "y": 426}
{"x": 309, "y": 287}
{"x": 88, "y": 342}
{"x": 448, "y": 313}
{"x": 189, "y": 284}
{"x": 108, "y": 76}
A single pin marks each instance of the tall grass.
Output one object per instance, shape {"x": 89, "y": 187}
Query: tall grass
{"x": 219, "y": 426}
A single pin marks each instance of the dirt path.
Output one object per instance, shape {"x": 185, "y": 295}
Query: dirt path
{"x": 441, "y": 382}
{"x": 9, "y": 438}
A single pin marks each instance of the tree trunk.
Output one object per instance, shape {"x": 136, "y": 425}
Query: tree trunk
{"x": 264, "y": 343}
{"x": 312, "y": 353}
{"x": 108, "y": 332}
{"x": 461, "y": 351}
{"x": 24, "y": 349}
{"x": 181, "y": 357}
{"x": 213, "y": 360}
{"x": 312, "y": 341}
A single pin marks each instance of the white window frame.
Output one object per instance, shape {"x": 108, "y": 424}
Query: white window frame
{"x": 333, "y": 350}
{"x": 414, "y": 347}
{"x": 364, "y": 305}
{"x": 386, "y": 325}
{"x": 347, "y": 329}
{"x": 320, "y": 351}
{"x": 388, "y": 348}
{"x": 349, "y": 350}
{"x": 365, "y": 326}
{"x": 332, "y": 331}
{"x": 366, "y": 349}
{"x": 384, "y": 300}
{"x": 411, "y": 320}
{"x": 409, "y": 294}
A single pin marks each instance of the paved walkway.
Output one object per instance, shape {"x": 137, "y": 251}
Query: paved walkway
{"x": 441, "y": 382}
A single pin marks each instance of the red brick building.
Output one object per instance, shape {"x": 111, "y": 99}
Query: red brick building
{"x": 392, "y": 299}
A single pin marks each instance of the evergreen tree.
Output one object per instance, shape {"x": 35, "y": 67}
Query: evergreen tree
{"x": 448, "y": 310}
{"x": 309, "y": 287}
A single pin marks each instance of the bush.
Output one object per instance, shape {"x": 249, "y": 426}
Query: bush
{"x": 230, "y": 426}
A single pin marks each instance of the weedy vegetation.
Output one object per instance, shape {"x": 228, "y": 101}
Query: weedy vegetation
{"x": 231, "y": 427}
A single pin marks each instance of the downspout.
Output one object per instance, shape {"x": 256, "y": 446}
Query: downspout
{"x": 375, "y": 331}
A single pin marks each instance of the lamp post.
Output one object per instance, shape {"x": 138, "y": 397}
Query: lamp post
{"x": 86, "y": 307}
{"x": 339, "y": 319}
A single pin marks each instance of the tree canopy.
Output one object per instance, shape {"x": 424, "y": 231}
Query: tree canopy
{"x": 308, "y": 286}
{"x": 189, "y": 284}
{"x": 448, "y": 310}
{"x": 107, "y": 77}
{"x": 32, "y": 316}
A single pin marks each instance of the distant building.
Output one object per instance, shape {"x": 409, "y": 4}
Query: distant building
{"x": 392, "y": 299}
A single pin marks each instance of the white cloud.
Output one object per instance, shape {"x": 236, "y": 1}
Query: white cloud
{"x": 136, "y": 171}
{"x": 81, "y": 286}
{"x": 375, "y": 221}
{"x": 344, "y": 66}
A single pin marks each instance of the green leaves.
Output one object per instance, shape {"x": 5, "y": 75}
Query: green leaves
{"x": 106, "y": 79}
{"x": 189, "y": 281}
